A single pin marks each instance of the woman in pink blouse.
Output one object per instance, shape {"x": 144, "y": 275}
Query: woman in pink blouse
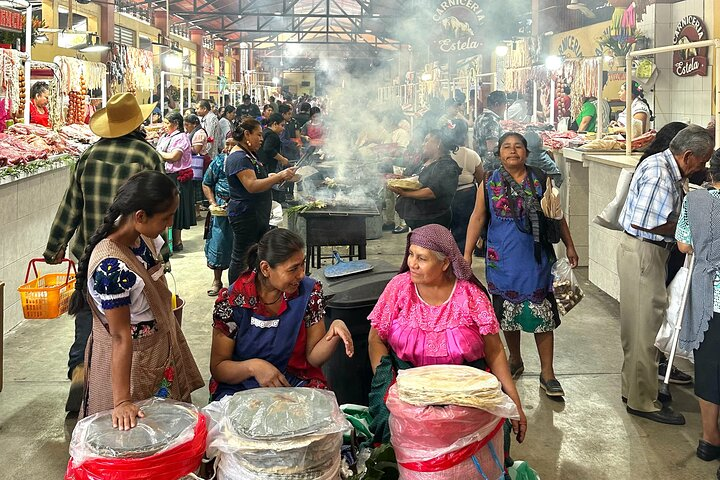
{"x": 434, "y": 312}
{"x": 174, "y": 148}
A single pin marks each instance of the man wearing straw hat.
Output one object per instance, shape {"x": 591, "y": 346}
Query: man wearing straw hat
{"x": 121, "y": 152}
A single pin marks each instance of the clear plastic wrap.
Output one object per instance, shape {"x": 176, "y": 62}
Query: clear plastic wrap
{"x": 459, "y": 385}
{"x": 565, "y": 286}
{"x": 445, "y": 442}
{"x": 269, "y": 433}
{"x": 168, "y": 442}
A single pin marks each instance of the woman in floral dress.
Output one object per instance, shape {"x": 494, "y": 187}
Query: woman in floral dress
{"x": 519, "y": 259}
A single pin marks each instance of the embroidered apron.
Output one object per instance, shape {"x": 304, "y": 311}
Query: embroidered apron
{"x": 271, "y": 339}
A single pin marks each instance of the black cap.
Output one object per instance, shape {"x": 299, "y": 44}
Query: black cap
{"x": 246, "y": 97}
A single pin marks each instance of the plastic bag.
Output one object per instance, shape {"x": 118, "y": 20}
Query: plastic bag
{"x": 550, "y": 203}
{"x": 663, "y": 340}
{"x": 459, "y": 385}
{"x": 565, "y": 286}
{"x": 522, "y": 471}
{"x": 276, "y": 215}
{"x": 610, "y": 216}
{"x": 445, "y": 442}
{"x": 167, "y": 444}
{"x": 268, "y": 433}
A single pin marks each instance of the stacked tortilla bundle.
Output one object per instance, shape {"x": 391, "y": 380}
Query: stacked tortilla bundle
{"x": 449, "y": 385}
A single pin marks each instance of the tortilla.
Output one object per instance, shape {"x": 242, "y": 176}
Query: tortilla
{"x": 409, "y": 183}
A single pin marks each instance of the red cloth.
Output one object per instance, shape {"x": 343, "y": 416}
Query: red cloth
{"x": 39, "y": 118}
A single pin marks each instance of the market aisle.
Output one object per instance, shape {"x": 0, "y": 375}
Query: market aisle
{"x": 588, "y": 437}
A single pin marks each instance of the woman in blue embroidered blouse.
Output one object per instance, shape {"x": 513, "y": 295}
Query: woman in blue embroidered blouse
{"x": 519, "y": 259}
{"x": 219, "y": 235}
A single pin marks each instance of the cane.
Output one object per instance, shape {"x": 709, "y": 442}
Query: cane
{"x": 665, "y": 387}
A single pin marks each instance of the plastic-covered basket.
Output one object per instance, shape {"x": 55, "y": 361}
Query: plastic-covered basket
{"x": 48, "y": 296}
{"x": 445, "y": 442}
{"x": 167, "y": 444}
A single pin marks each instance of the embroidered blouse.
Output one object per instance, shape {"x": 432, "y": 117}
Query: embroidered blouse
{"x": 424, "y": 334}
{"x": 113, "y": 284}
{"x": 244, "y": 295}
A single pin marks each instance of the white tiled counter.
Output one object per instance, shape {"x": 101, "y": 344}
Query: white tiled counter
{"x": 27, "y": 208}
{"x": 574, "y": 198}
{"x": 603, "y": 173}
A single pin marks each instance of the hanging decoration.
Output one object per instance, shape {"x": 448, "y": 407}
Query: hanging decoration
{"x": 12, "y": 84}
{"x": 130, "y": 69}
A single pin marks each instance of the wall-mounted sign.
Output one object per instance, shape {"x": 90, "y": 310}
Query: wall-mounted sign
{"x": 11, "y": 20}
{"x": 570, "y": 47}
{"x": 690, "y": 61}
{"x": 460, "y": 23}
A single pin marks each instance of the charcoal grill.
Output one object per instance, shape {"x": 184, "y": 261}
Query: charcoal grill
{"x": 336, "y": 225}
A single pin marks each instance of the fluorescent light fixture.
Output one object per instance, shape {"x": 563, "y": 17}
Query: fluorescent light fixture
{"x": 239, "y": 17}
{"x": 553, "y": 62}
{"x": 426, "y": 77}
{"x": 173, "y": 62}
{"x": 276, "y": 80}
{"x": 368, "y": 31}
{"x": 94, "y": 47}
{"x": 14, "y": 3}
{"x": 278, "y": 13}
{"x": 501, "y": 50}
{"x": 375, "y": 14}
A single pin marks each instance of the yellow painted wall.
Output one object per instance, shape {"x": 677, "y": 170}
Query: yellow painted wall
{"x": 46, "y": 52}
{"x": 586, "y": 39}
{"x": 292, "y": 81}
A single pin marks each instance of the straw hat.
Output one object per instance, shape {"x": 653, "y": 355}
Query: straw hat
{"x": 121, "y": 116}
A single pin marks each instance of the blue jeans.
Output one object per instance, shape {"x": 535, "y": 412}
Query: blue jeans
{"x": 462, "y": 208}
{"x": 83, "y": 329}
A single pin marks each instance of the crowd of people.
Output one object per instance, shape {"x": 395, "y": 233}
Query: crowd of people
{"x": 268, "y": 323}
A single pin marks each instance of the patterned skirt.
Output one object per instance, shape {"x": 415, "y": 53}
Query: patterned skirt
{"x": 527, "y": 316}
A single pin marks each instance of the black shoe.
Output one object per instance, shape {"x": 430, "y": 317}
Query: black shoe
{"x": 517, "y": 370}
{"x": 666, "y": 415}
{"x": 404, "y": 229}
{"x": 552, "y": 387}
{"x": 707, "y": 451}
{"x": 677, "y": 377}
{"x": 388, "y": 227}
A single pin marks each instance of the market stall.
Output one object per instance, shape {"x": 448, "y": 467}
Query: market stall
{"x": 130, "y": 69}
{"x": 81, "y": 84}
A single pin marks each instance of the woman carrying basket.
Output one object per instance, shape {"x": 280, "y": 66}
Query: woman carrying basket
{"x": 137, "y": 349}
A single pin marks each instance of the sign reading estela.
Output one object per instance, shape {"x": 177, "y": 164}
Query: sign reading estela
{"x": 460, "y": 22}
{"x": 691, "y": 61}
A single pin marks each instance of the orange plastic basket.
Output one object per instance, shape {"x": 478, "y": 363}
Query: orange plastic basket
{"x": 48, "y": 295}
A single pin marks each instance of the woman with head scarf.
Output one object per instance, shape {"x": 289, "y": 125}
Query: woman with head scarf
{"x": 519, "y": 255}
{"x": 435, "y": 311}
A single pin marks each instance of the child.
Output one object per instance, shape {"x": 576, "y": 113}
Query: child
{"x": 136, "y": 342}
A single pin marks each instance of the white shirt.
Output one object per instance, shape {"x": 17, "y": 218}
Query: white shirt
{"x": 468, "y": 160}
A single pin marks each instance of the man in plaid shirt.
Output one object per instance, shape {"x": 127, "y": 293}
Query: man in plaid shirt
{"x": 649, "y": 218}
{"x": 121, "y": 152}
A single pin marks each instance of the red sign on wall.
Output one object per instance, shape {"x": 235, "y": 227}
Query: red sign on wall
{"x": 11, "y": 20}
{"x": 691, "y": 61}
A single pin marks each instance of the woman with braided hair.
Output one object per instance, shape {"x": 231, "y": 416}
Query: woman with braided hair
{"x": 640, "y": 109}
{"x": 136, "y": 350}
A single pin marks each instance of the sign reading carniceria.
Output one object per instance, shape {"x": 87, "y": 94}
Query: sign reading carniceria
{"x": 460, "y": 22}
{"x": 691, "y": 61}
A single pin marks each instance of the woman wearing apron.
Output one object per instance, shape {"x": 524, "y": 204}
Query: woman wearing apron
{"x": 137, "y": 349}
{"x": 269, "y": 327}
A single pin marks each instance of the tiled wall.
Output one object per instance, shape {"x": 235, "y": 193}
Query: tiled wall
{"x": 575, "y": 187}
{"x": 27, "y": 209}
{"x": 685, "y": 99}
{"x": 602, "y": 269}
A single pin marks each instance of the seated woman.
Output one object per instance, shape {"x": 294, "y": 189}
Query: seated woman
{"x": 269, "y": 327}
{"x": 434, "y": 312}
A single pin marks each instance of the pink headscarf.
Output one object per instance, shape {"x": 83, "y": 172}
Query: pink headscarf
{"x": 439, "y": 239}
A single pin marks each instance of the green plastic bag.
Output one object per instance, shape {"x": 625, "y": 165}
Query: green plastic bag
{"x": 522, "y": 471}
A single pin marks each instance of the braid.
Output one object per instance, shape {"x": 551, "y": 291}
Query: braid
{"x": 651, "y": 117}
{"x": 78, "y": 300}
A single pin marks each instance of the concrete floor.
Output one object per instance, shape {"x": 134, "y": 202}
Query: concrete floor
{"x": 589, "y": 436}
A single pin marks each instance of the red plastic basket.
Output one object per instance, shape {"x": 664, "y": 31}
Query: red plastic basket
{"x": 48, "y": 295}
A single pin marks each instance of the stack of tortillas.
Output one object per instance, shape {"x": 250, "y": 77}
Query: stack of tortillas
{"x": 449, "y": 385}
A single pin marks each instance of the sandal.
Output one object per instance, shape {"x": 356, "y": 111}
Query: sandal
{"x": 517, "y": 370}
{"x": 552, "y": 387}
{"x": 216, "y": 287}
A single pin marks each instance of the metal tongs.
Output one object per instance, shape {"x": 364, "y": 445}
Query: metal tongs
{"x": 306, "y": 156}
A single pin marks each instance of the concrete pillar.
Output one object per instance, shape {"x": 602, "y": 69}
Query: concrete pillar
{"x": 106, "y": 29}
{"x": 196, "y": 37}
{"x": 160, "y": 21}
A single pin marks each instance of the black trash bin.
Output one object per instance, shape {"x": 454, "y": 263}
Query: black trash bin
{"x": 351, "y": 299}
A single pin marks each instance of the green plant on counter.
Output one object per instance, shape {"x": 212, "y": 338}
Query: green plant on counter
{"x": 382, "y": 465}
{"x": 16, "y": 171}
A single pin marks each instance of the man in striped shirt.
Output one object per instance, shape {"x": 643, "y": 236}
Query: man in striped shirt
{"x": 649, "y": 218}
